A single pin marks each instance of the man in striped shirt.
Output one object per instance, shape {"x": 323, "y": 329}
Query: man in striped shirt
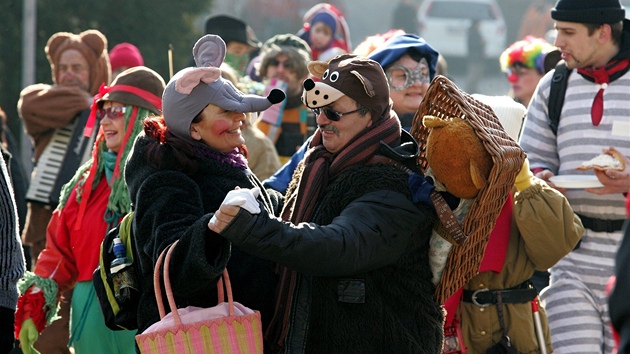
{"x": 595, "y": 115}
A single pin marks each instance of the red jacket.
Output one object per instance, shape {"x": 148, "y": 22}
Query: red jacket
{"x": 72, "y": 255}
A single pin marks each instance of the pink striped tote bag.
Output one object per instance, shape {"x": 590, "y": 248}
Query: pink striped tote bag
{"x": 226, "y": 328}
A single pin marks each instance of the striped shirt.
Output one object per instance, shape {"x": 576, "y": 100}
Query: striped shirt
{"x": 578, "y": 141}
{"x": 11, "y": 254}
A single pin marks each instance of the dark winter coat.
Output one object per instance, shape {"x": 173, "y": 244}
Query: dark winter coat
{"x": 171, "y": 205}
{"x": 364, "y": 282}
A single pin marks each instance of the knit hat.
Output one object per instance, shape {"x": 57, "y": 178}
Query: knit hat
{"x": 150, "y": 85}
{"x": 529, "y": 52}
{"x": 359, "y": 78}
{"x": 190, "y": 90}
{"x": 588, "y": 11}
{"x": 397, "y": 46}
{"x": 284, "y": 42}
{"x": 92, "y": 44}
{"x": 326, "y": 18}
{"x": 125, "y": 55}
{"x": 231, "y": 29}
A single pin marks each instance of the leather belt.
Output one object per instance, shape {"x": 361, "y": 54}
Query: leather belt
{"x": 600, "y": 225}
{"x": 486, "y": 297}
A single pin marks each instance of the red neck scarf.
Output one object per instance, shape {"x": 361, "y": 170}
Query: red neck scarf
{"x": 603, "y": 76}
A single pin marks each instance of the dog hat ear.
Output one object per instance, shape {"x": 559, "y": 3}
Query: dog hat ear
{"x": 317, "y": 68}
{"x": 367, "y": 85}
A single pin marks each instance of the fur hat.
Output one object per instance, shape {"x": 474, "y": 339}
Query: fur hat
{"x": 142, "y": 78}
{"x": 92, "y": 44}
{"x": 231, "y": 29}
{"x": 397, "y": 46}
{"x": 125, "y": 55}
{"x": 190, "y": 90}
{"x": 359, "y": 78}
{"x": 588, "y": 11}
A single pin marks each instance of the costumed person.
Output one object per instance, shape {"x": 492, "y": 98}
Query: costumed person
{"x": 410, "y": 63}
{"x": 594, "y": 38}
{"x": 355, "y": 247}
{"x": 618, "y": 301}
{"x": 181, "y": 168}
{"x": 326, "y": 31}
{"x": 54, "y": 117}
{"x": 525, "y": 62}
{"x": 124, "y": 56}
{"x": 284, "y": 58}
{"x": 91, "y": 204}
{"x": 535, "y": 228}
{"x": 12, "y": 264}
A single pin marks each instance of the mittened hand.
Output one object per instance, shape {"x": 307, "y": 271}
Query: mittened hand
{"x": 524, "y": 178}
{"x": 28, "y": 337}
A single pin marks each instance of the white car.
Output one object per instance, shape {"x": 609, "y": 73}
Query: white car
{"x": 445, "y": 25}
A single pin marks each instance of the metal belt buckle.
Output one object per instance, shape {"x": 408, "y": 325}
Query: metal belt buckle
{"x": 474, "y": 297}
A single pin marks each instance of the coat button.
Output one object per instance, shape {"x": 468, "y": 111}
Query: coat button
{"x": 483, "y": 333}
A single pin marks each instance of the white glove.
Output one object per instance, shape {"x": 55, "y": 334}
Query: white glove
{"x": 245, "y": 198}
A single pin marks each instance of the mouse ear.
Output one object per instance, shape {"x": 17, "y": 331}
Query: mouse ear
{"x": 209, "y": 51}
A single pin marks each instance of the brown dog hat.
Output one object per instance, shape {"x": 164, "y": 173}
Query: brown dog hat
{"x": 359, "y": 78}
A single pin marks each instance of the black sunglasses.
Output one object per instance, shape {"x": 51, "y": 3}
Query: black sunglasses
{"x": 332, "y": 115}
{"x": 288, "y": 64}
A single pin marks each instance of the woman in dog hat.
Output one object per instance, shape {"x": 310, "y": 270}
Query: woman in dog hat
{"x": 91, "y": 204}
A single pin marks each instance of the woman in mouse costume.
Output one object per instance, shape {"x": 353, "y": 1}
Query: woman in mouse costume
{"x": 180, "y": 170}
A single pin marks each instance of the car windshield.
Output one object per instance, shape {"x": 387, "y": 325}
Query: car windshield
{"x": 461, "y": 9}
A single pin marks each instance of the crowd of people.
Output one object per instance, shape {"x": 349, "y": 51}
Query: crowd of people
{"x": 333, "y": 245}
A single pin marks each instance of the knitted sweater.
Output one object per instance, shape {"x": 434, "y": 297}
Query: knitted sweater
{"x": 11, "y": 258}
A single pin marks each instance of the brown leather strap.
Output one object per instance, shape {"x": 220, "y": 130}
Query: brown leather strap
{"x": 448, "y": 219}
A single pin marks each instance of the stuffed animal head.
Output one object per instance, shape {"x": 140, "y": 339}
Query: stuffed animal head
{"x": 359, "y": 78}
{"x": 192, "y": 89}
{"x": 457, "y": 156}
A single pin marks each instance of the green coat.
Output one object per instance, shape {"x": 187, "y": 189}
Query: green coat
{"x": 544, "y": 229}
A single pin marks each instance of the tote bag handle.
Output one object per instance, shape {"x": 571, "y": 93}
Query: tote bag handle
{"x": 165, "y": 257}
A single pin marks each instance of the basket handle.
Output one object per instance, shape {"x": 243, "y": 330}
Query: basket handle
{"x": 223, "y": 285}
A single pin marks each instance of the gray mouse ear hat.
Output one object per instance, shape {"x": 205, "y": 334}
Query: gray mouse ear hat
{"x": 190, "y": 90}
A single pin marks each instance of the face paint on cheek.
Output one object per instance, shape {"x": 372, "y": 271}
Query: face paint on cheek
{"x": 219, "y": 127}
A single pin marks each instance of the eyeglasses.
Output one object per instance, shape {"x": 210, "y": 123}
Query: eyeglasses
{"x": 333, "y": 115}
{"x": 113, "y": 112}
{"x": 400, "y": 77}
{"x": 288, "y": 64}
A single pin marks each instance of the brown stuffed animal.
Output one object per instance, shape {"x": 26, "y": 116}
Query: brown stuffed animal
{"x": 462, "y": 164}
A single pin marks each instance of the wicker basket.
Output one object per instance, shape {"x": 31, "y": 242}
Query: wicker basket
{"x": 443, "y": 99}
